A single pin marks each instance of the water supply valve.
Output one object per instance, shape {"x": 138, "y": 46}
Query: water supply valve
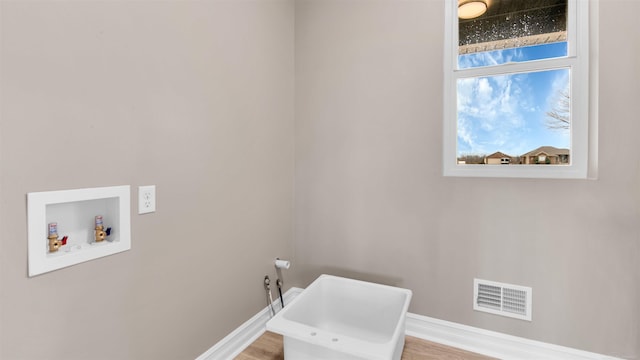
{"x": 54, "y": 242}
{"x": 101, "y": 232}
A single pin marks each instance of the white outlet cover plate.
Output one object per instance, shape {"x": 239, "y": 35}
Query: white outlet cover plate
{"x": 146, "y": 199}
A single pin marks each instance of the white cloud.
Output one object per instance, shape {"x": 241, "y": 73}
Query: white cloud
{"x": 489, "y": 112}
{"x": 464, "y": 134}
{"x": 559, "y": 84}
{"x": 485, "y": 91}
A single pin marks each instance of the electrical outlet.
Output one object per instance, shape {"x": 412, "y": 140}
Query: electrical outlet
{"x": 146, "y": 199}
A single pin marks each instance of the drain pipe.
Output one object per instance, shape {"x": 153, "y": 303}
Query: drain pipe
{"x": 281, "y": 264}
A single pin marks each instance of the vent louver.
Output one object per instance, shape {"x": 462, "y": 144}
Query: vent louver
{"x": 502, "y": 299}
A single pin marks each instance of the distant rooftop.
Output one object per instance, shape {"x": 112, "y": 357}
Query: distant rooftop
{"x": 498, "y": 155}
{"x": 548, "y": 150}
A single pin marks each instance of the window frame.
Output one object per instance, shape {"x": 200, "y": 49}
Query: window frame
{"x": 581, "y": 31}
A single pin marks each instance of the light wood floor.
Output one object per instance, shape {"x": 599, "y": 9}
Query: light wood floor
{"x": 269, "y": 347}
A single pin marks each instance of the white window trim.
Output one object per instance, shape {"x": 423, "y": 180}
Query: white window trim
{"x": 582, "y": 51}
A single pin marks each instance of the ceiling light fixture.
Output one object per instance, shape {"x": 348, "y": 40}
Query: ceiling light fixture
{"x": 469, "y": 9}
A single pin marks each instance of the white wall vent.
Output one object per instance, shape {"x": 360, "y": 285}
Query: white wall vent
{"x": 502, "y": 299}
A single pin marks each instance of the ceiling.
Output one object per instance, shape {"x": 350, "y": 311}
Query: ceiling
{"x": 512, "y": 23}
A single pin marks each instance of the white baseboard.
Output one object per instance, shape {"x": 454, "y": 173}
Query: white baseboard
{"x": 234, "y": 343}
{"x": 464, "y": 337}
{"x": 491, "y": 343}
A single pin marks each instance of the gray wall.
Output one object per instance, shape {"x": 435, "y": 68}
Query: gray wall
{"x": 210, "y": 88}
{"x": 371, "y": 201}
{"x": 192, "y": 96}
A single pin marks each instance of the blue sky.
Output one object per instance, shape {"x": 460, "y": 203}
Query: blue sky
{"x": 507, "y": 113}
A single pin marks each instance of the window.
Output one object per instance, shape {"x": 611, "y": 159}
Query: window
{"x": 517, "y": 84}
